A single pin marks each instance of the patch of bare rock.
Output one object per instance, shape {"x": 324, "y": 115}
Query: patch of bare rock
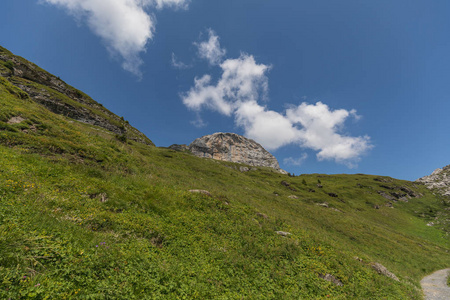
{"x": 231, "y": 147}
{"x": 438, "y": 181}
{"x": 384, "y": 271}
{"x": 15, "y": 120}
{"x": 203, "y": 192}
{"x": 331, "y": 278}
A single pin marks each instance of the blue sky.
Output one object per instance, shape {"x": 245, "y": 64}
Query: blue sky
{"x": 327, "y": 86}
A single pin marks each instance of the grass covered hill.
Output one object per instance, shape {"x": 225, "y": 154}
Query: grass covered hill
{"x": 90, "y": 212}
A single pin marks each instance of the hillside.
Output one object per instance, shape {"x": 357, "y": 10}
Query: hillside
{"x": 87, "y": 212}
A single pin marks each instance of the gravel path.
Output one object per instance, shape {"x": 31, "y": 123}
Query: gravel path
{"x": 435, "y": 286}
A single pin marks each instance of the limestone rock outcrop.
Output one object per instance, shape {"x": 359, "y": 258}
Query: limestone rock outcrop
{"x": 439, "y": 180}
{"x": 235, "y": 148}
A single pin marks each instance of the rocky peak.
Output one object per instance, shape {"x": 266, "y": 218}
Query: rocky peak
{"x": 439, "y": 180}
{"x": 235, "y": 148}
{"x": 61, "y": 98}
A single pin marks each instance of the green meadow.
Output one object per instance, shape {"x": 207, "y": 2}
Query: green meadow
{"x": 88, "y": 214}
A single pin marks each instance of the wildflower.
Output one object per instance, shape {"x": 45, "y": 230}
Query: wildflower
{"x": 96, "y": 246}
{"x": 37, "y": 284}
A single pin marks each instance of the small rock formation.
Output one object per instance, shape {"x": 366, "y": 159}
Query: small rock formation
{"x": 439, "y": 181}
{"x": 177, "y": 147}
{"x": 15, "y": 120}
{"x": 201, "y": 192}
{"x": 383, "y": 271}
{"x": 264, "y": 216}
{"x": 235, "y": 148}
{"x": 283, "y": 233}
{"x": 331, "y": 278}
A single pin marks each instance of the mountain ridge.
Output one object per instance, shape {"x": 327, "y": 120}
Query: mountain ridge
{"x": 61, "y": 98}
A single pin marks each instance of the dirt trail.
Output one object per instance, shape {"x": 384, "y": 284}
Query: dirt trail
{"x": 435, "y": 286}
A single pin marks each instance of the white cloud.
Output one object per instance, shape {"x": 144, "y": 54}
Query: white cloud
{"x": 295, "y": 161}
{"x": 242, "y": 80}
{"x": 320, "y": 131}
{"x": 211, "y": 50}
{"x": 314, "y": 126}
{"x": 170, "y": 3}
{"x": 125, "y": 26}
{"x": 177, "y": 64}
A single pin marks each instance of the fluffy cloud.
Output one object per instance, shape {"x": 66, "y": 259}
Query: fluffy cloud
{"x": 242, "y": 80}
{"x": 295, "y": 161}
{"x": 320, "y": 132}
{"x": 124, "y": 25}
{"x": 237, "y": 93}
{"x": 210, "y": 49}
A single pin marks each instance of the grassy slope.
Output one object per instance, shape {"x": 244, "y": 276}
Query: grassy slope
{"x": 21, "y": 72}
{"x": 84, "y": 215}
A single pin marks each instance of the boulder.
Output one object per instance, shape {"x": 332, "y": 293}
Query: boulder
{"x": 283, "y": 233}
{"x": 331, "y": 278}
{"x": 204, "y": 192}
{"x": 235, "y": 148}
{"x": 383, "y": 271}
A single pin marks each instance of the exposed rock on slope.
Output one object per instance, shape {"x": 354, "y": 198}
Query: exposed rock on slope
{"x": 439, "y": 180}
{"x": 61, "y": 98}
{"x": 235, "y": 148}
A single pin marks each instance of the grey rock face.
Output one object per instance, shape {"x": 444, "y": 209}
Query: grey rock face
{"x": 235, "y": 148}
{"x": 439, "y": 180}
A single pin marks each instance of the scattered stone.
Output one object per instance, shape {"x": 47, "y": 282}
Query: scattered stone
{"x": 386, "y": 195}
{"x": 235, "y": 148}
{"x": 276, "y": 194}
{"x": 283, "y": 233}
{"x": 430, "y": 224}
{"x": 335, "y": 209}
{"x": 332, "y": 195}
{"x": 101, "y": 196}
{"x": 387, "y": 187}
{"x": 376, "y": 206}
{"x": 410, "y": 192}
{"x": 177, "y": 147}
{"x": 397, "y": 195}
{"x": 285, "y": 183}
{"x": 204, "y": 192}
{"x": 331, "y": 278}
{"x": 382, "y": 179}
{"x": 357, "y": 258}
{"x": 244, "y": 169}
{"x": 15, "y": 120}
{"x": 293, "y": 197}
{"x": 311, "y": 190}
{"x": 389, "y": 204}
{"x": 262, "y": 215}
{"x": 383, "y": 271}
{"x": 319, "y": 186}
{"x": 324, "y": 204}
